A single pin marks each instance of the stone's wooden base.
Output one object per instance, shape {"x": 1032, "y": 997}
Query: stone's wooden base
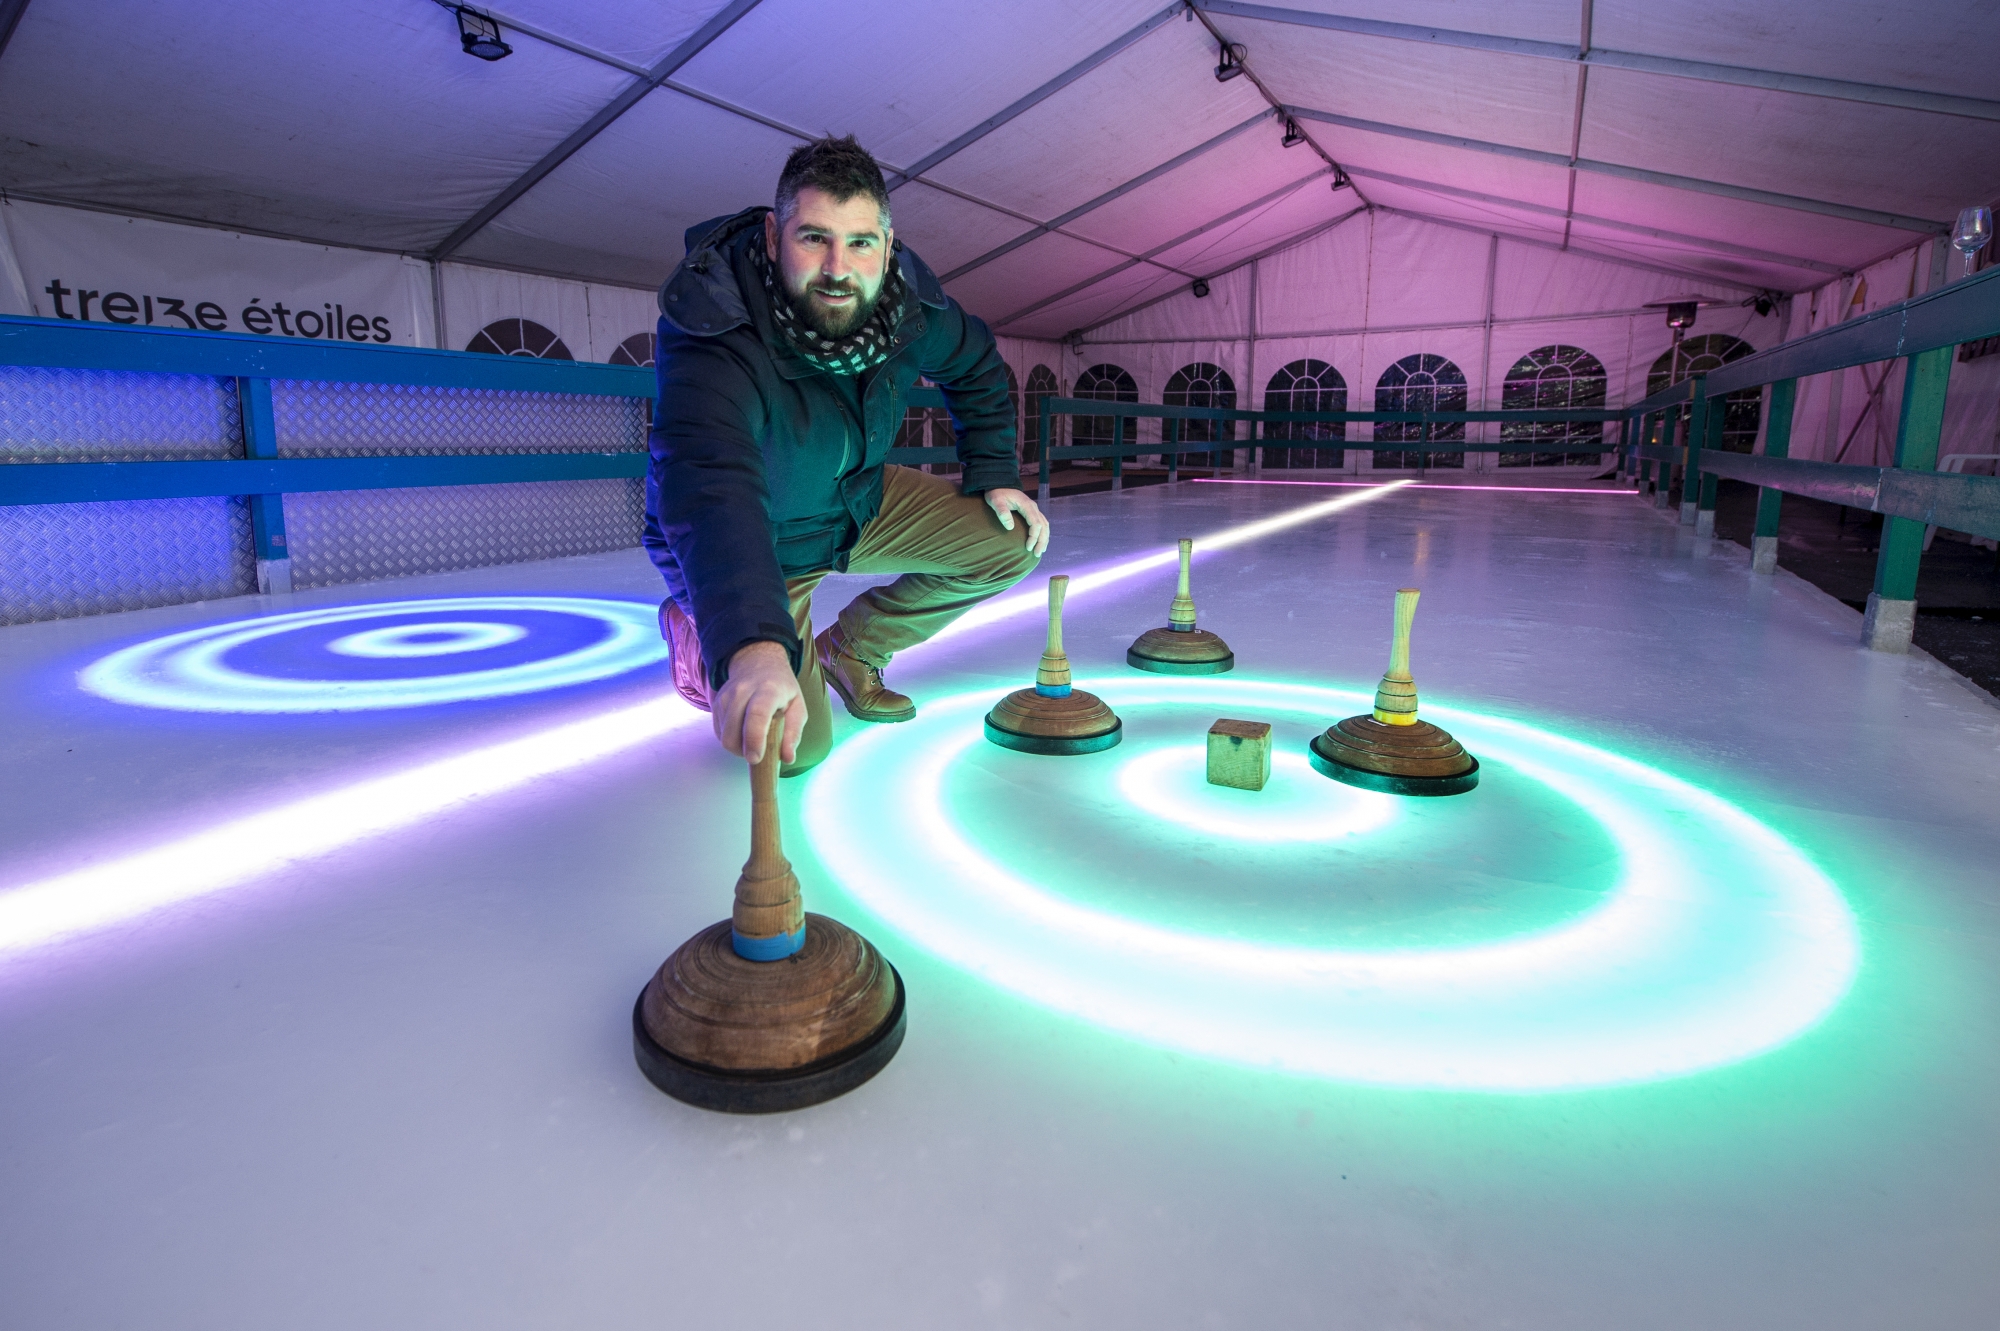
{"x": 1033, "y": 722}
{"x": 1239, "y": 754}
{"x": 711, "y": 1027}
{"x": 1166, "y": 651}
{"x": 1415, "y": 759}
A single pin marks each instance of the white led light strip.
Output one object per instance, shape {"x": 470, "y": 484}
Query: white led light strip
{"x": 239, "y": 851}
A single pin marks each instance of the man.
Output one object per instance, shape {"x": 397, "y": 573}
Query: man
{"x": 789, "y": 340}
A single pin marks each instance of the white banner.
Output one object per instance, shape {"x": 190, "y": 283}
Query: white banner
{"x": 73, "y": 264}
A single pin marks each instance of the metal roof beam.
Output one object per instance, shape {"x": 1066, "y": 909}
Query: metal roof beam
{"x": 720, "y": 23}
{"x": 1912, "y": 99}
{"x": 1699, "y": 242}
{"x": 1037, "y": 97}
{"x": 1274, "y": 196}
{"x": 1846, "y": 212}
{"x": 1108, "y": 196}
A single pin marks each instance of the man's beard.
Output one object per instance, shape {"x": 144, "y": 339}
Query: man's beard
{"x": 826, "y": 322}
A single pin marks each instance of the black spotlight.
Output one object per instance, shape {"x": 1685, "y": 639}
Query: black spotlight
{"x": 1231, "y": 63}
{"x": 1340, "y": 180}
{"x": 1764, "y": 302}
{"x": 1294, "y": 136}
{"x": 1200, "y": 287}
{"x": 480, "y": 36}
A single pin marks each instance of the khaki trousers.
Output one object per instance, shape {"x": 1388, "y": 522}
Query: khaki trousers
{"x": 952, "y": 554}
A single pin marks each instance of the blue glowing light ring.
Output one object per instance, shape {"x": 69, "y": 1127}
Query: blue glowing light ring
{"x": 1718, "y": 941}
{"x": 187, "y": 671}
{"x": 409, "y": 641}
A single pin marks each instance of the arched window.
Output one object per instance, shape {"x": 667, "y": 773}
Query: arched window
{"x": 1104, "y": 383}
{"x": 638, "y": 349}
{"x": 1041, "y": 384}
{"x": 519, "y": 337}
{"x": 1556, "y": 378}
{"x": 1419, "y": 383}
{"x": 1306, "y": 385}
{"x": 1202, "y": 385}
{"x": 1698, "y": 355}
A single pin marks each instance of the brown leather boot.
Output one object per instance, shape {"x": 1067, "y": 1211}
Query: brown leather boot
{"x": 690, "y": 672}
{"x": 858, "y": 683}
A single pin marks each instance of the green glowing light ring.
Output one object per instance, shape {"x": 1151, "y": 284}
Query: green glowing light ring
{"x": 1719, "y": 940}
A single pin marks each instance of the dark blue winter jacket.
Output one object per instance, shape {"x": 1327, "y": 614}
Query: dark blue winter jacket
{"x": 760, "y": 469}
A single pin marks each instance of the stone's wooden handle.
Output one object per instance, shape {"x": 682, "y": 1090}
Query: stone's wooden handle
{"x": 1182, "y": 615}
{"x": 1396, "y": 695}
{"x": 1053, "y": 672}
{"x": 768, "y": 904}
{"x": 1399, "y": 643}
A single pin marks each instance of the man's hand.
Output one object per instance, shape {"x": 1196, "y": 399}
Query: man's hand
{"x": 1006, "y": 503}
{"x": 761, "y": 685}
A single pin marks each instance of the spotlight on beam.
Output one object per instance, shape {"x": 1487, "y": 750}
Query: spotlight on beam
{"x": 480, "y": 35}
{"x": 1340, "y": 180}
{"x": 1294, "y": 136}
{"x": 1200, "y": 287}
{"x": 1231, "y": 63}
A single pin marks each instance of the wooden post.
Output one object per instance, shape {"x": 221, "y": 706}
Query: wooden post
{"x": 1181, "y": 615}
{"x": 768, "y": 922}
{"x": 1396, "y": 695}
{"x": 1052, "y": 675}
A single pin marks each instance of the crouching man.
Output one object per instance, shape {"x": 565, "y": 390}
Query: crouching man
{"x": 789, "y": 340}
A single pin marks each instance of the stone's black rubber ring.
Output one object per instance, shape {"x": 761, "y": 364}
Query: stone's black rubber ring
{"x": 735, "y": 1091}
{"x": 1159, "y": 667}
{"x": 1388, "y": 784}
{"x": 1049, "y": 744}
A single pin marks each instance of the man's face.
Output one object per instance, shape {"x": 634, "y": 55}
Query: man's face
{"x": 832, "y": 257}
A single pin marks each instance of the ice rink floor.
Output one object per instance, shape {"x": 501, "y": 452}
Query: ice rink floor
{"x": 1688, "y": 1017}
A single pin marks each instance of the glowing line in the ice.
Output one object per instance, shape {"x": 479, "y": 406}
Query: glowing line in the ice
{"x": 1426, "y": 485}
{"x": 1081, "y": 584}
{"x": 243, "y": 849}
{"x": 1720, "y": 939}
{"x": 189, "y": 671}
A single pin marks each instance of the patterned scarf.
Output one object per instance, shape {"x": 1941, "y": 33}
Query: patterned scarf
{"x": 856, "y": 353}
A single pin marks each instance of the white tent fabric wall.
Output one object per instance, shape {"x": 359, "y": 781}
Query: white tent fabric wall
{"x": 1381, "y": 287}
{"x": 591, "y": 318}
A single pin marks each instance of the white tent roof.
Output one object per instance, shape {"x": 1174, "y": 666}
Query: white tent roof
{"x": 1062, "y": 163}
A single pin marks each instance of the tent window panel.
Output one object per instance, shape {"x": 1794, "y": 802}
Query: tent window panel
{"x": 1105, "y": 383}
{"x": 519, "y": 337}
{"x": 1041, "y": 384}
{"x": 1419, "y": 383}
{"x": 639, "y": 349}
{"x": 1553, "y": 378}
{"x": 1306, "y": 385}
{"x": 1742, "y": 412}
{"x": 1202, "y": 385}
{"x": 928, "y": 427}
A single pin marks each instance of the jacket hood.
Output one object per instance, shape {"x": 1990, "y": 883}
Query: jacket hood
{"x": 703, "y": 299}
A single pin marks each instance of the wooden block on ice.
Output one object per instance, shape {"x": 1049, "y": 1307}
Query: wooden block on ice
{"x": 1239, "y": 754}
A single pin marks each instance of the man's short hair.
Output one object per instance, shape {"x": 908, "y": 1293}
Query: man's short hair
{"x": 841, "y": 167}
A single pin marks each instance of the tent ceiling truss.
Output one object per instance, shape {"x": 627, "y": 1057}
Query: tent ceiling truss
{"x": 1975, "y": 108}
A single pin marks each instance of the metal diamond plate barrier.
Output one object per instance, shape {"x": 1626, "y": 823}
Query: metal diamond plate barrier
{"x": 58, "y": 561}
{"x": 352, "y": 535}
{"x": 358, "y": 420}
{"x": 56, "y": 415}
{"x": 61, "y": 560}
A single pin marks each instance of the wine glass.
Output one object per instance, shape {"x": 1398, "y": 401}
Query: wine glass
{"x": 1974, "y": 230}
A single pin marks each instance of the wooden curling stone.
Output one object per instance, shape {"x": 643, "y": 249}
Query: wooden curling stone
{"x": 1180, "y": 648}
{"x": 1239, "y": 754}
{"x": 1052, "y": 717}
{"x": 1391, "y": 750}
{"x": 772, "y": 1008}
